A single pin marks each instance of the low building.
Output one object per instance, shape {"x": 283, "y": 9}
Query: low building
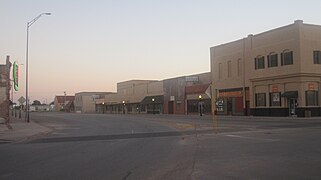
{"x": 133, "y": 97}
{"x": 40, "y": 108}
{"x": 176, "y": 98}
{"x": 64, "y": 103}
{"x": 274, "y": 73}
{"x": 85, "y": 102}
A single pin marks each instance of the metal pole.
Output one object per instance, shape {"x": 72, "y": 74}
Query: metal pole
{"x": 27, "y": 65}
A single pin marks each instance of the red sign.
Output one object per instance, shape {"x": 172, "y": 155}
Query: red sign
{"x": 311, "y": 86}
{"x": 275, "y": 88}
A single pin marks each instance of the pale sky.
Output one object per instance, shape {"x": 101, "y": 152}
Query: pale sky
{"x": 90, "y": 45}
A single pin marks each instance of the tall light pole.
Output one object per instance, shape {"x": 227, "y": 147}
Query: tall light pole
{"x": 30, "y": 23}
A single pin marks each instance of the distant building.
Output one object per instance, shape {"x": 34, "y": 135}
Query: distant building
{"x": 85, "y": 102}
{"x": 64, "y": 103}
{"x": 40, "y": 107}
{"x": 135, "y": 96}
{"x": 5, "y": 89}
{"x": 274, "y": 73}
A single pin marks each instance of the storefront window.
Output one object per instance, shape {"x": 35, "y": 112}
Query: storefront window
{"x": 260, "y": 99}
{"x": 311, "y": 98}
{"x": 275, "y": 99}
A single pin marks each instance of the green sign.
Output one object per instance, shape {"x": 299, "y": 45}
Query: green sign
{"x": 15, "y": 75}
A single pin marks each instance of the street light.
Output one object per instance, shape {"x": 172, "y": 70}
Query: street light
{"x": 200, "y": 104}
{"x": 30, "y": 23}
{"x": 124, "y": 107}
{"x": 153, "y": 100}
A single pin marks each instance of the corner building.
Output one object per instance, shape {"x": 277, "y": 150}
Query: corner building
{"x": 274, "y": 73}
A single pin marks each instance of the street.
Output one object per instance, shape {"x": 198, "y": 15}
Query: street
{"x": 101, "y": 146}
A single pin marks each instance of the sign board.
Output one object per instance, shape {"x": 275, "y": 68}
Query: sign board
{"x": 172, "y": 98}
{"x": 22, "y": 100}
{"x": 231, "y": 94}
{"x": 191, "y": 79}
{"x": 311, "y": 86}
{"x": 15, "y": 76}
{"x": 275, "y": 88}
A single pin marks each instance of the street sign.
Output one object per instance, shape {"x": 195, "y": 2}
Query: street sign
{"x": 22, "y": 100}
{"x": 15, "y": 76}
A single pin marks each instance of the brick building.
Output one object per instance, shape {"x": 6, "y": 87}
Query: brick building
{"x": 5, "y": 89}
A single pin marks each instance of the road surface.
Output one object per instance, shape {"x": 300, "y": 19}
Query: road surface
{"x": 100, "y": 146}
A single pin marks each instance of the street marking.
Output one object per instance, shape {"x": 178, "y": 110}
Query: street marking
{"x": 57, "y": 133}
{"x": 253, "y": 138}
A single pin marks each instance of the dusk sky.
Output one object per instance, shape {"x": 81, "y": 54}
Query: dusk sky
{"x": 90, "y": 45}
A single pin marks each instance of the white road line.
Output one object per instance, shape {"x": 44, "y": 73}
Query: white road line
{"x": 253, "y": 138}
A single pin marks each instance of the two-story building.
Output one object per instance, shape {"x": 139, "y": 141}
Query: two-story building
{"x": 274, "y": 73}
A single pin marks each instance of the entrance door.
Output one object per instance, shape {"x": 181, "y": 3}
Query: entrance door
{"x": 292, "y": 106}
{"x": 171, "y": 107}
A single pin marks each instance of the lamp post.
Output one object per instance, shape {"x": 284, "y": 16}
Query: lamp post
{"x": 124, "y": 107}
{"x": 153, "y": 100}
{"x": 29, "y": 24}
{"x": 200, "y": 104}
{"x": 103, "y": 107}
{"x": 65, "y": 101}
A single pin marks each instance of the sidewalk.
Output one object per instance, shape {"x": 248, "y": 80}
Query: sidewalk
{"x": 19, "y": 130}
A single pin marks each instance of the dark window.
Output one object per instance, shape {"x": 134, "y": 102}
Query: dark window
{"x": 311, "y": 98}
{"x": 275, "y": 99}
{"x": 260, "y": 99}
{"x": 317, "y": 57}
{"x": 259, "y": 62}
{"x": 287, "y": 58}
{"x": 272, "y": 60}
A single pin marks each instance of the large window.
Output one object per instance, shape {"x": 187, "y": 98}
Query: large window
{"x": 311, "y": 98}
{"x": 260, "y": 99}
{"x": 317, "y": 57}
{"x": 275, "y": 99}
{"x": 259, "y": 62}
{"x": 287, "y": 58}
{"x": 272, "y": 60}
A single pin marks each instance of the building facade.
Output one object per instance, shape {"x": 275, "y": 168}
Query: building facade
{"x": 274, "y": 73}
{"x": 64, "y": 103}
{"x": 85, "y": 102}
{"x": 134, "y": 97}
{"x": 176, "y": 98}
{"x": 5, "y": 89}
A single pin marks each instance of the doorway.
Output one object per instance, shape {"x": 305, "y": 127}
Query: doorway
{"x": 171, "y": 107}
{"x": 293, "y": 103}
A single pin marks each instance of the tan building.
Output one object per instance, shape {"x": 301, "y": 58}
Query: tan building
{"x": 85, "y": 102}
{"x": 135, "y": 96}
{"x": 274, "y": 73}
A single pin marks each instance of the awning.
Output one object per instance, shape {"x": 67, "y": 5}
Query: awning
{"x": 290, "y": 94}
{"x": 149, "y": 100}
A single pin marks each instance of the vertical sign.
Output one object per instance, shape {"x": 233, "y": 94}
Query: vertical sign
{"x": 15, "y": 76}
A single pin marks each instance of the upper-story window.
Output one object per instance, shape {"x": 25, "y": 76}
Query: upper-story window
{"x": 272, "y": 60}
{"x": 317, "y": 57}
{"x": 287, "y": 57}
{"x": 229, "y": 69}
{"x": 259, "y": 62}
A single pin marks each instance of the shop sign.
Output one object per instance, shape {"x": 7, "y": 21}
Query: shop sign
{"x": 311, "y": 86}
{"x": 191, "y": 79}
{"x": 275, "y": 88}
{"x": 231, "y": 94}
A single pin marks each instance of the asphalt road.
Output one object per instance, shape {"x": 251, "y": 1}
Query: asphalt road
{"x": 89, "y": 146}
